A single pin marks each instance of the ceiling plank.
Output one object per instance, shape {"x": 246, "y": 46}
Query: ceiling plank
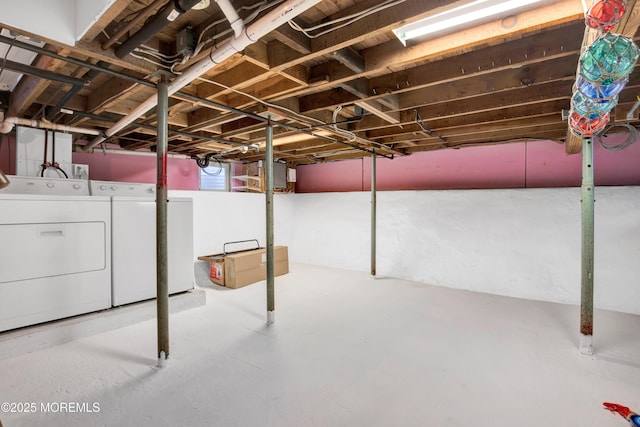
{"x": 555, "y": 44}
{"x": 630, "y": 22}
{"x": 30, "y": 87}
{"x": 559, "y": 12}
{"x": 107, "y": 93}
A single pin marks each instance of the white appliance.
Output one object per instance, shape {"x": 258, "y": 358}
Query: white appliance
{"x": 133, "y": 241}
{"x": 55, "y": 252}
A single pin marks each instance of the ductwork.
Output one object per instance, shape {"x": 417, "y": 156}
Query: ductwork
{"x": 272, "y": 20}
{"x": 164, "y": 17}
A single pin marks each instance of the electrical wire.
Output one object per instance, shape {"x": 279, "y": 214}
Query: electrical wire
{"x": 631, "y": 137}
{"x": 301, "y": 117}
{"x": 347, "y": 20}
{"x": 261, "y": 7}
{"x": 167, "y": 67}
{"x": 204, "y": 163}
{"x": 151, "y": 50}
{"x": 426, "y": 130}
{"x": 349, "y": 135}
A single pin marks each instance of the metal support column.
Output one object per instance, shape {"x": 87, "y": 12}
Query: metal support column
{"x": 586, "y": 304}
{"x": 373, "y": 214}
{"x": 162, "y": 277}
{"x": 268, "y": 160}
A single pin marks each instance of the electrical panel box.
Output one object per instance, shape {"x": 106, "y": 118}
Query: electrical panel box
{"x": 186, "y": 41}
{"x": 280, "y": 175}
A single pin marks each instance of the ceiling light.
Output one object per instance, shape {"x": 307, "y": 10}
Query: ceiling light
{"x": 449, "y": 19}
{"x": 202, "y": 5}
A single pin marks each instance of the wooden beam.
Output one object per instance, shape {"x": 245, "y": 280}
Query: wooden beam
{"x": 293, "y": 39}
{"x": 379, "y": 110}
{"x": 510, "y": 79}
{"x": 107, "y": 93}
{"x": 555, "y": 13}
{"x": 630, "y": 22}
{"x": 30, "y": 88}
{"x": 502, "y": 80}
{"x": 554, "y": 44}
{"x": 94, "y": 50}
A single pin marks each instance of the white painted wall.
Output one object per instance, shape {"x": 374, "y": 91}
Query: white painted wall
{"x": 62, "y": 20}
{"x": 87, "y": 14}
{"x": 221, "y": 217}
{"x": 522, "y": 243}
{"x": 51, "y": 19}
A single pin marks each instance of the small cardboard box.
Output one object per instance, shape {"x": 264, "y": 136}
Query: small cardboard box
{"x": 238, "y": 269}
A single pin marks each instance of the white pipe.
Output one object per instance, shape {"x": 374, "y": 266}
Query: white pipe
{"x": 79, "y": 149}
{"x": 272, "y": 20}
{"x": 631, "y": 113}
{"x": 6, "y": 125}
{"x": 232, "y": 16}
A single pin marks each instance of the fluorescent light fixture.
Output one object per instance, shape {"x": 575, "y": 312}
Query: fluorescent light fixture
{"x": 470, "y": 12}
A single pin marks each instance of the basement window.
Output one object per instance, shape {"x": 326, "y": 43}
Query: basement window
{"x": 215, "y": 177}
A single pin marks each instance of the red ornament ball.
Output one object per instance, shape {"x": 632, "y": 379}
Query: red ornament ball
{"x": 605, "y": 14}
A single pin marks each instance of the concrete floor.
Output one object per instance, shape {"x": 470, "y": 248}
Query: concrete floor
{"x": 346, "y": 350}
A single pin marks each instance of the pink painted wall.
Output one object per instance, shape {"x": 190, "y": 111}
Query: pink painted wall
{"x": 7, "y": 154}
{"x": 183, "y": 174}
{"x": 518, "y": 165}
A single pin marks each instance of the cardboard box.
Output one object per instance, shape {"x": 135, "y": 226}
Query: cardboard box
{"x": 238, "y": 269}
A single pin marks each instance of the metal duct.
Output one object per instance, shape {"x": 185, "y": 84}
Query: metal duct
{"x": 163, "y": 18}
{"x": 272, "y": 20}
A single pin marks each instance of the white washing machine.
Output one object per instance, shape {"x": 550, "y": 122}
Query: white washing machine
{"x": 55, "y": 251}
{"x": 133, "y": 241}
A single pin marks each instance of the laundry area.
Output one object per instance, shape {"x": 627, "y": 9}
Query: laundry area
{"x": 81, "y": 246}
{"x": 320, "y": 213}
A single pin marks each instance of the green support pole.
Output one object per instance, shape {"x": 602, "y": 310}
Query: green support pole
{"x": 373, "y": 214}
{"x": 162, "y": 276}
{"x": 586, "y": 304}
{"x": 269, "y": 203}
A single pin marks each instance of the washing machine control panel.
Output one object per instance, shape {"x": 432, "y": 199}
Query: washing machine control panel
{"x": 46, "y": 186}
{"x": 106, "y": 188}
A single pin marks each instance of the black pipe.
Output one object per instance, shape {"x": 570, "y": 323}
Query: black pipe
{"x": 92, "y": 74}
{"x": 62, "y": 102}
{"x": 95, "y": 67}
{"x": 43, "y": 74}
{"x": 281, "y": 124}
{"x": 171, "y": 132}
{"x": 164, "y": 17}
{"x": 184, "y": 95}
